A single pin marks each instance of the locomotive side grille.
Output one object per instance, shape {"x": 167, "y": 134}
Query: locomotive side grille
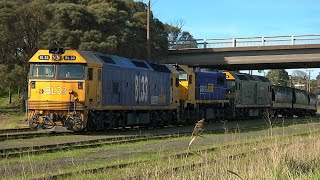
{"x": 54, "y": 105}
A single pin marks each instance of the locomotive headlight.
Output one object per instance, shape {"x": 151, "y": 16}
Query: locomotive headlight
{"x": 80, "y": 85}
{"x": 33, "y": 84}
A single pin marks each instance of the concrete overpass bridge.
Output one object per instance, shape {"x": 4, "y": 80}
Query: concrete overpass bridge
{"x": 248, "y": 53}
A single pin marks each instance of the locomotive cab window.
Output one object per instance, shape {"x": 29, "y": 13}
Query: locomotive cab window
{"x": 43, "y": 70}
{"x": 231, "y": 86}
{"x": 74, "y": 71}
{"x": 90, "y": 74}
{"x": 183, "y": 76}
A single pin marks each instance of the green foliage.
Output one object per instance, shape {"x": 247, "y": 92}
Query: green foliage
{"x": 107, "y": 26}
{"x": 111, "y": 27}
{"x": 279, "y": 77}
{"x": 185, "y": 39}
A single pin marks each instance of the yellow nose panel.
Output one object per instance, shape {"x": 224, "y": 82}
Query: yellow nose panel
{"x": 229, "y": 76}
{"x": 56, "y": 91}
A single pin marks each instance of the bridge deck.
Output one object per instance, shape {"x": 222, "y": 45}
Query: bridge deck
{"x": 302, "y": 51}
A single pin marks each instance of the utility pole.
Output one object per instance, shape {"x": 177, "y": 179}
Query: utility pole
{"x": 309, "y": 81}
{"x": 148, "y": 33}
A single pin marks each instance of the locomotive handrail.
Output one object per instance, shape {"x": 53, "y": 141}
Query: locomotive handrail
{"x": 244, "y": 41}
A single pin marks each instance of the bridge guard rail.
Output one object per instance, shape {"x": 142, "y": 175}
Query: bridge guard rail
{"x": 244, "y": 42}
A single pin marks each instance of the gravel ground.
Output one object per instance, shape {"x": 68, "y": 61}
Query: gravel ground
{"x": 67, "y": 160}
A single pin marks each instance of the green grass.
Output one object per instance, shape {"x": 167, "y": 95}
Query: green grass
{"x": 16, "y": 101}
{"x": 11, "y": 115}
{"x": 12, "y": 120}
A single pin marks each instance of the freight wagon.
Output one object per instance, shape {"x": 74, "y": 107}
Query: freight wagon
{"x": 287, "y": 101}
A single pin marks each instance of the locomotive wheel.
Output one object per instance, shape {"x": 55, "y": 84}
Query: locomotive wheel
{"x": 48, "y": 124}
{"x": 78, "y": 126}
{"x": 33, "y": 123}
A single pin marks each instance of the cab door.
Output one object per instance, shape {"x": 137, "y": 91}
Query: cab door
{"x": 99, "y": 87}
{"x": 93, "y": 97}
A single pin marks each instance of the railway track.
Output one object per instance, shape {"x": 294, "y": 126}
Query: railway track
{"x": 27, "y": 133}
{"x": 31, "y": 134}
{"x": 176, "y": 156}
{"x": 21, "y": 151}
{"x": 112, "y": 139}
{"x": 15, "y": 130}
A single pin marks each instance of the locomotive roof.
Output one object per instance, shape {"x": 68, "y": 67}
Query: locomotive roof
{"x": 231, "y": 75}
{"x": 68, "y": 56}
{"x": 95, "y": 58}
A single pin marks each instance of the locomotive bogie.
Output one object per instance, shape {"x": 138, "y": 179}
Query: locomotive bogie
{"x": 104, "y": 120}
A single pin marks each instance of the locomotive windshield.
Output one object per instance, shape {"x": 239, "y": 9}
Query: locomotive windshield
{"x": 43, "y": 71}
{"x": 68, "y": 71}
{"x": 57, "y": 71}
{"x": 183, "y": 76}
{"x": 230, "y": 86}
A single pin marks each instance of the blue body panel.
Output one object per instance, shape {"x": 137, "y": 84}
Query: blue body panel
{"x": 124, "y": 84}
{"x": 210, "y": 86}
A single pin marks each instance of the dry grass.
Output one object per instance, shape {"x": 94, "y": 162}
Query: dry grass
{"x": 197, "y": 131}
{"x": 295, "y": 157}
{"x": 297, "y": 160}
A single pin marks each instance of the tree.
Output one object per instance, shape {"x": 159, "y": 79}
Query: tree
{"x": 183, "y": 38}
{"x": 299, "y": 73}
{"x": 186, "y": 40}
{"x": 107, "y": 26}
{"x": 279, "y": 77}
{"x": 10, "y": 39}
{"x": 11, "y": 77}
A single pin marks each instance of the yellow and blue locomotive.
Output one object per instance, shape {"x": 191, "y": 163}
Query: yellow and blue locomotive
{"x": 88, "y": 90}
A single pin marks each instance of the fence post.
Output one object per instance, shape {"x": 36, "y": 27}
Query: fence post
{"x": 177, "y": 47}
{"x": 292, "y": 40}
{"x": 234, "y": 42}
{"x": 204, "y": 43}
{"x": 262, "y": 41}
